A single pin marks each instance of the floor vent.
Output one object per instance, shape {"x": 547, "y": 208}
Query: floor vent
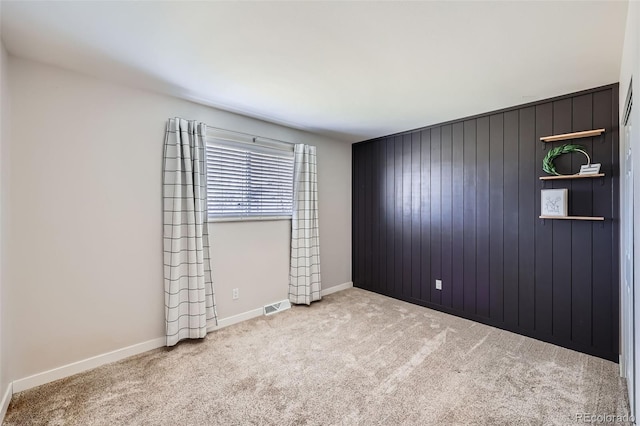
{"x": 276, "y": 307}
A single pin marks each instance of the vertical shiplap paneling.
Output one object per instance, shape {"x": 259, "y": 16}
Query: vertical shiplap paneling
{"x": 605, "y": 295}
{"x": 399, "y": 202}
{"x": 615, "y": 217}
{"x": 562, "y": 234}
{"x": 510, "y": 216}
{"x": 382, "y": 215}
{"x": 581, "y": 232}
{"x": 435, "y": 220}
{"x": 406, "y": 215}
{"x": 496, "y": 217}
{"x": 375, "y": 218}
{"x": 416, "y": 213}
{"x": 460, "y": 202}
{"x": 469, "y": 216}
{"x": 368, "y": 207}
{"x": 457, "y": 216}
{"x": 543, "y": 230}
{"x": 482, "y": 217}
{"x": 391, "y": 215}
{"x": 358, "y": 222}
{"x": 527, "y": 176}
{"x": 424, "y": 224}
{"x": 446, "y": 195}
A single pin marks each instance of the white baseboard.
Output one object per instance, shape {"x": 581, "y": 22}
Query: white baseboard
{"x": 226, "y": 322}
{"x": 337, "y": 288}
{"x": 6, "y": 399}
{"x": 254, "y": 313}
{"x": 85, "y": 364}
{"x": 109, "y": 357}
{"x": 621, "y": 366}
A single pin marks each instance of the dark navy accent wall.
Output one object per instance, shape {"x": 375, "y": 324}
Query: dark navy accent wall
{"x": 460, "y": 201}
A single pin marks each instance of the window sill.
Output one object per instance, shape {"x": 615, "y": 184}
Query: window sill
{"x": 247, "y": 219}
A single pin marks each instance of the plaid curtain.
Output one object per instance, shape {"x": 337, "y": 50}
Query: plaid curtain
{"x": 304, "y": 274}
{"x": 188, "y": 288}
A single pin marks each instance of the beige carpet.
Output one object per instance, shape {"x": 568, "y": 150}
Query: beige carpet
{"x": 354, "y": 358}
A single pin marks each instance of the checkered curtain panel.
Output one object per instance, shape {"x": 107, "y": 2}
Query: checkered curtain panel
{"x": 304, "y": 275}
{"x": 188, "y": 288}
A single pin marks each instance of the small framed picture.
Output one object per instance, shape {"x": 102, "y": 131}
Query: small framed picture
{"x": 554, "y": 202}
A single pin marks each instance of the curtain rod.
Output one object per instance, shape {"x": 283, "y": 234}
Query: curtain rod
{"x": 253, "y": 137}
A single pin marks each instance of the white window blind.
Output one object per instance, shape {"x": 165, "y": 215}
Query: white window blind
{"x": 247, "y": 181}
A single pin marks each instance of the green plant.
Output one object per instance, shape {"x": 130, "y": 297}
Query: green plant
{"x": 547, "y": 163}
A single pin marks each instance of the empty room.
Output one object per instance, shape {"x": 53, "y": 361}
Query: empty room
{"x": 319, "y": 212}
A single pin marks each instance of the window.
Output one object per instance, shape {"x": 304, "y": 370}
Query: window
{"x": 248, "y": 181}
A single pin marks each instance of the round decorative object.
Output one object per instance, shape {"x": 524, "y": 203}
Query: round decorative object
{"x": 547, "y": 163}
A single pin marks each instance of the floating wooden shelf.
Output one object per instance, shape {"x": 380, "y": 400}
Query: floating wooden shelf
{"x": 576, "y": 135}
{"x": 570, "y": 177}
{"x": 573, "y": 217}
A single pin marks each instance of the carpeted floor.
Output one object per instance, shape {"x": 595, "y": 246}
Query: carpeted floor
{"x": 354, "y": 358}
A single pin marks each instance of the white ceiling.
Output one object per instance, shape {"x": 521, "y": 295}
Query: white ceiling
{"x": 351, "y": 70}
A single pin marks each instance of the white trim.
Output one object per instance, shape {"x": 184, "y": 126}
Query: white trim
{"x": 85, "y": 364}
{"x": 226, "y": 322}
{"x": 6, "y": 400}
{"x": 113, "y": 356}
{"x": 109, "y": 357}
{"x": 337, "y": 288}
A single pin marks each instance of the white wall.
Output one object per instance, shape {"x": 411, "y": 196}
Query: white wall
{"x": 85, "y": 208}
{"x": 4, "y": 132}
{"x": 630, "y": 66}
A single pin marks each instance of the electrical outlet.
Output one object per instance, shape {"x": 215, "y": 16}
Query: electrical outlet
{"x": 236, "y": 293}
{"x": 438, "y": 284}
